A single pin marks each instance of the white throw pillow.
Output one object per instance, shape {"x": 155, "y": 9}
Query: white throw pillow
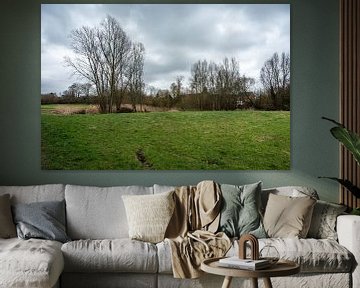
{"x": 149, "y": 215}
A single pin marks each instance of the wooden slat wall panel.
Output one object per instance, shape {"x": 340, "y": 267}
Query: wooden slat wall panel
{"x": 349, "y": 90}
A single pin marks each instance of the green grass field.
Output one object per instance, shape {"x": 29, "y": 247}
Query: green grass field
{"x": 226, "y": 140}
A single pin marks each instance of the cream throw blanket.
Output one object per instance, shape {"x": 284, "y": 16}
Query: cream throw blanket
{"x": 191, "y": 231}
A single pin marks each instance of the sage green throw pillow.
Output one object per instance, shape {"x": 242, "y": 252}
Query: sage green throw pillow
{"x": 240, "y": 213}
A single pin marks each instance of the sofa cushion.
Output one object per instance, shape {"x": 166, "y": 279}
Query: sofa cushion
{"x": 35, "y": 193}
{"x": 149, "y": 215}
{"x": 240, "y": 210}
{"x": 109, "y": 280}
{"x": 7, "y": 226}
{"x": 30, "y": 263}
{"x": 116, "y": 255}
{"x": 98, "y": 213}
{"x": 313, "y": 255}
{"x": 163, "y": 188}
{"x": 164, "y": 257}
{"x": 323, "y": 222}
{"x": 291, "y": 191}
{"x": 43, "y": 220}
{"x": 287, "y": 216}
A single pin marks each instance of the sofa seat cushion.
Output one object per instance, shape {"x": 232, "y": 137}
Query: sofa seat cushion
{"x": 313, "y": 255}
{"x": 110, "y": 255}
{"x": 164, "y": 257}
{"x": 108, "y": 280}
{"x": 30, "y": 263}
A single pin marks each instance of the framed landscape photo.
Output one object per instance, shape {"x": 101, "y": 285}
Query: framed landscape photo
{"x": 165, "y": 86}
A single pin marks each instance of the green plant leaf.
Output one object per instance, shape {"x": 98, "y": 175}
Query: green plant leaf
{"x": 355, "y": 211}
{"x": 348, "y": 138}
{"x": 347, "y": 184}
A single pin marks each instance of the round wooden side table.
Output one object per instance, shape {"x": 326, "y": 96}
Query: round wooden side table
{"x": 281, "y": 268}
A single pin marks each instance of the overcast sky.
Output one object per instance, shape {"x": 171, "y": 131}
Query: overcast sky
{"x": 174, "y": 35}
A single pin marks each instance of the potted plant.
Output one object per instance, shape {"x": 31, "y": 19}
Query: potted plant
{"x": 351, "y": 141}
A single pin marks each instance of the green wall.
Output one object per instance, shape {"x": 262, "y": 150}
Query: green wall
{"x": 314, "y": 93}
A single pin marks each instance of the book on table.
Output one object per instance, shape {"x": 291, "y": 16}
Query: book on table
{"x": 249, "y": 264}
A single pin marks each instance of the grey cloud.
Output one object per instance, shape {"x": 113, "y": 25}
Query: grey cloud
{"x": 177, "y": 35}
{"x": 54, "y": 22}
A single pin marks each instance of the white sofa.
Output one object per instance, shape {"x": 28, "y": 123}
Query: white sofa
{"x": 101, "y": 254}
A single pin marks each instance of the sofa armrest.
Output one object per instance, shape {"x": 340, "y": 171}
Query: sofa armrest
{"x": 348, "y": 230}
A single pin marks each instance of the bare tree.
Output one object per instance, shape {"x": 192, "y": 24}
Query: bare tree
{"x": 198, "y": 81}
{"x": 199, "y": 74}
{"x": 88, "y": 63}
{"x": 275, "y": 78}
{"x": 219, "y": 86}
{"x": 103, "y": 56}
{"x": 213, "y": 70}
{"x": 228, "y": 83}
{"x": 78, "y": 89}
{"x": 85, "y": 89}
{"x": 177, "y": 87}
{"x": 246, "y": 95}
{"x": 136, "y": 79}
{"x": 74, "y": 90}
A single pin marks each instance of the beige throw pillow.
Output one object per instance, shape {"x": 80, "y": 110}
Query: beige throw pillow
{"x": 149, "y": 215}
{"x": 7, "y": 226}
{"x": 288, "y": 217}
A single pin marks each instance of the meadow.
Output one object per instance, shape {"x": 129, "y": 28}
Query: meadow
{"x": 210, "y": 140}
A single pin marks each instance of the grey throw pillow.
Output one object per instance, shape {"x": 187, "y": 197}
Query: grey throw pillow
{"x": 7, "y": 226}
{"x": 44, "y": 220}
{"x": 240, "y": 213}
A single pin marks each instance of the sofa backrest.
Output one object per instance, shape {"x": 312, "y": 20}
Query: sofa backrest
{"x": 35, "y": 193}
{"x": 293, "y": 191}
{"x": 98, "y": 212}
{"x": 162, "y": 188}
